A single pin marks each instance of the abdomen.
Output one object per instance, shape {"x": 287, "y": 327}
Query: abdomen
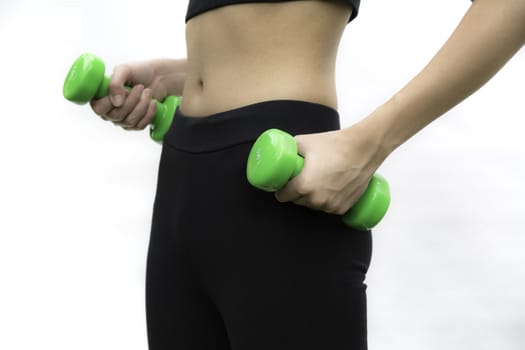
{"x": 248, "y": 53}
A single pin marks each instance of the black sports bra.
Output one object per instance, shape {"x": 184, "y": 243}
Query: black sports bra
{"x": 196, "y": 7}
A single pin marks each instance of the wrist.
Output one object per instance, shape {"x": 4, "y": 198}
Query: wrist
{"x": 378, "y": 134}
{"x": 172, "y": 73}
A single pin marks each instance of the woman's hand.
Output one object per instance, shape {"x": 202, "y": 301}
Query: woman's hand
{"x": 337, "y": 169}
{"x": 150, "y": 81}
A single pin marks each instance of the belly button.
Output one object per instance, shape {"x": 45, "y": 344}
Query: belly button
{"x": 201, "y": 84}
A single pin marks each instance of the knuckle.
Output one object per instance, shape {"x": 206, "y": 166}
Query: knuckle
{"x": 278, "y": 196}
{"x": 121, "y": 68}
{"x": 98, "y": 111}
{"x": 98, "y": 108}
{"x": 128, "y": 121}
{"x": 141, "y": 126}
{"x": 303, "y": 188}
{"x": 335, "y": 206}
{"x": 136, "y": 92}
{"x": 152, "y": 111}
{"x": 116, "y": 115}
{"x": 340, "y": 211}
{"x": 331, "y": 208}
{"x": 130, "y": 124}
{"x": 147, "y": 94}
{"x": 140, "y": 122}
{"x": 319, "y": 202}
{"x": 121, "y": 76}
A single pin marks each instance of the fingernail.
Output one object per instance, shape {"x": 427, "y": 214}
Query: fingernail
{"x": 117, "y": 100}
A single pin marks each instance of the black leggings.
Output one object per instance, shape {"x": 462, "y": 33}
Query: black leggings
{"x": 231, "y": 268}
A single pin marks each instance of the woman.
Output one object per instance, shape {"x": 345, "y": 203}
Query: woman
{"x": 232, "y": 267}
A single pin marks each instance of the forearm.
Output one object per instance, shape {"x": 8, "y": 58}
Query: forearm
{"x": 172, "y": 72}
{"x": 490, "y": 33}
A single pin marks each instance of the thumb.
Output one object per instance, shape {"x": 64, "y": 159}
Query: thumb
{"x": 301, "y": 144}
{"x": 122, "y": 74}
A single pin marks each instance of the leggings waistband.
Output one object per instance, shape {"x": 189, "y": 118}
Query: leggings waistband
{"x": 245, "y": 124}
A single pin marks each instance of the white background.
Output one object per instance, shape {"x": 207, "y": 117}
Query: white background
{"x": 76, "y": 193}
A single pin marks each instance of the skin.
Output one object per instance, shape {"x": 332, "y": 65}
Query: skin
{"x": 155, "y": 79}
{"x": 269, "y": 51}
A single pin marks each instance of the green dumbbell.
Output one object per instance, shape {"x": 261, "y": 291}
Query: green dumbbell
{"x": 273, "y": 161}
{"x": 86, "y": 81}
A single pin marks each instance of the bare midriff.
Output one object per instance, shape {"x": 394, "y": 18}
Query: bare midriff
{"x": 248, "y": 53}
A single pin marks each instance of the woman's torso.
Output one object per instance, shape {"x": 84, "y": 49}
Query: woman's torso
{"x": 248, "y": 53}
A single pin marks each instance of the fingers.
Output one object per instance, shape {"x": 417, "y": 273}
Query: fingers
{"x": 301, "y": 145}
{"x": 328, "y": 181}
{"x": 102, "y": 107}
{"x": 301, "y": 193}
{"x": 328, "y": 205}
{"x": 119, "y": 114}
{"x": 108, "y": 111}
{"x": 122, "y": 76}
{"x": 296, "y": 187}
{"x": 148, "y": 116}
{"x": 130, "y": 108}
{"x": 136, "y": 112}
{"x": 320, "y": 202}
{"x": 293, "y": 190}
{"x": 143, "y": 114}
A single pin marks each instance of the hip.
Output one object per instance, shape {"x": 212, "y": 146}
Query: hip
{"x": 205, "y": 204}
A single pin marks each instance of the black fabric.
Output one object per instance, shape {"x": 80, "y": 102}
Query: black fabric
{"x": 196, "y": 7}
{"x": 231, "y": 268}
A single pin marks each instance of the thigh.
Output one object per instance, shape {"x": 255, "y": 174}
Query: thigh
{"x": 295, "y": 279}
{"x": 306, "y": 308}
{"x": 179, "y": 313}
